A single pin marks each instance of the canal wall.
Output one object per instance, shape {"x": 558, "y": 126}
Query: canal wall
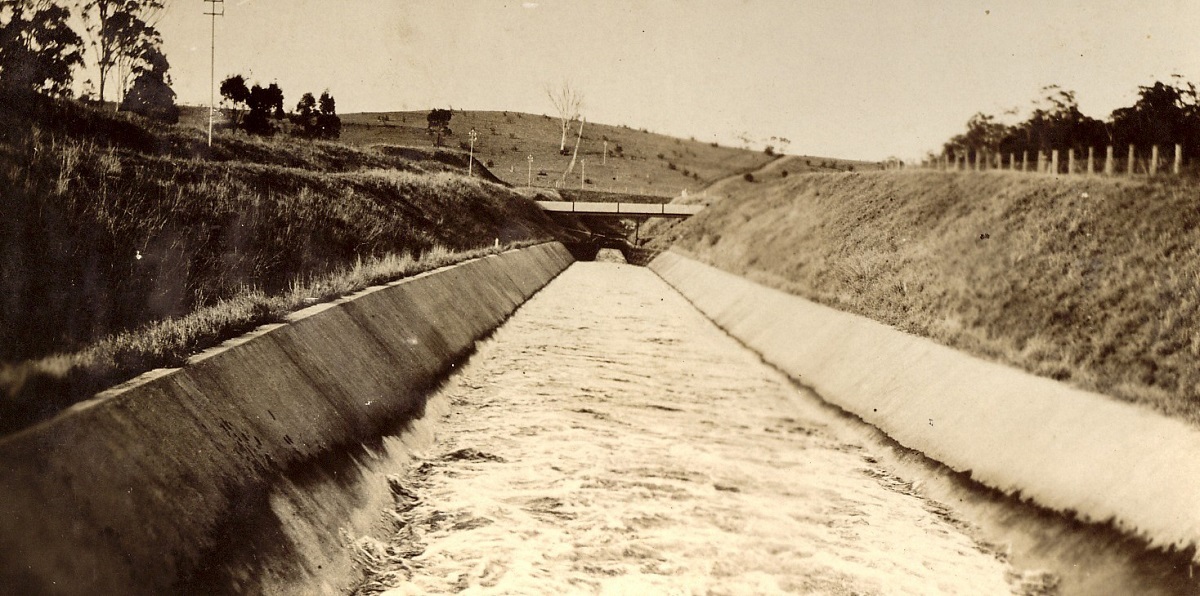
{"x": 252, "y": 467}
{"x": 1069, "y": 450}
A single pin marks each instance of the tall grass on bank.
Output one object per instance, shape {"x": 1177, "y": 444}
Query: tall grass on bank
{"x": 111, "y": 224}
{"x": 1087, "y": 280}
{"x": 97, "y": 239}
{"x": 37, "y": 388}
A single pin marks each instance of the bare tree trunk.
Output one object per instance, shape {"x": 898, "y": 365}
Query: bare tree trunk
{"x": 571, "y": 166}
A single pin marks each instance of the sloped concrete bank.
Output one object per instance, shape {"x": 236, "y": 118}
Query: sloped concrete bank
{"x": 1067, "y": 449}
{"x": 274, "y": 442}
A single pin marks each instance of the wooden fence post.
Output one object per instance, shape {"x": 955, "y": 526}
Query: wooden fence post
{"x": 1024, "y": 160}
{"x": 1178, "y": 166}
{"x": 1012, "y": 161}
{"x": 1054, "y": 161}
{"x": 976, "y": 160}
{"x": 1091, "y": 161}
{"x": 1109, "y": 165}
{"x": 999, "y": 160}
{"x": 1153, "y": 160}
{"x": 1071, "y": 160}
{"x": 1130, "y": 163}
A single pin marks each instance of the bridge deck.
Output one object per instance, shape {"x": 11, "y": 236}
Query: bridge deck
{"x": 621, "y": 209}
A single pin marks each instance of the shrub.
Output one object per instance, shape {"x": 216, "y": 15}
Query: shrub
{"x": 769, "y": 150}
{"x": 748, "y": 177}
{"x": 670, "y": 165}
{"x": 783, "y": 174}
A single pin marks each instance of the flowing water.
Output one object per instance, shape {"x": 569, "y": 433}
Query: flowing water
{"x": 610, "y": 439}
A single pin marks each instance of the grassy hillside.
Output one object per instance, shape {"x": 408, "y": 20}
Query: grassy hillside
{"x": 1091, "y": 281}
{"x": 110, "y": 224}
{"x": 638, "y": 161}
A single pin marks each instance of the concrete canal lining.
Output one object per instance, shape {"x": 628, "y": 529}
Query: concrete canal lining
{"x": 1067, "y": 449}
{"x": 135, "y": 490}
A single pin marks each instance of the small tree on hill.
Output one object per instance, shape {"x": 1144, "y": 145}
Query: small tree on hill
{"x": 264, "y": 103}
{"x": 235, "y": 94}
{"x": 329, "y": 126}
{"x": 568, "y": 102}
{"x": 151, "y": 95}
{"x": 439, "y": 124}
{"x": 305, "y": 117}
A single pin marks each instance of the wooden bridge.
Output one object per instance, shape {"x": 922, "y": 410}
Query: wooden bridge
{"x": 618, "y": 209}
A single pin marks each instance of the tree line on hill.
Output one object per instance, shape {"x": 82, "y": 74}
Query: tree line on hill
{"x": 40, "y": 52}
{"x": 258, "y": 110}
{"x": 1165, "y": 114}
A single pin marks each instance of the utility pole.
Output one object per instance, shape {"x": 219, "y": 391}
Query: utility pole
{"x": 604, "y": 160}
{"x": 529, "y": 181}
{"x": 471, "y": 160}
{"x": 217, "y": 9}
{"x": 582, "y": 173}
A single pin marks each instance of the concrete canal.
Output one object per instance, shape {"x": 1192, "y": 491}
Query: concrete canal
{"x": 608, "y": 438}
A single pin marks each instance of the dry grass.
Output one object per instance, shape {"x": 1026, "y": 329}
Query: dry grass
{"x": 125, "y": 244}
{"x": 38, "y": 387}
{"x": 1086, "y": 280}
{"x": 506, "y": 139}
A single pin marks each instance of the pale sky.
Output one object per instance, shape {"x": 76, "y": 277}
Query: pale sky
{"x": 862, "y": 79}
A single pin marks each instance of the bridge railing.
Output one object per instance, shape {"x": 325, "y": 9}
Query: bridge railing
{"x": 632, "y": 209}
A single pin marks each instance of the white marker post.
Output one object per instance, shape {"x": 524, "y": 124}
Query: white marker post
{"x": 471, "y": 159}
{"x": 529, "y": 182}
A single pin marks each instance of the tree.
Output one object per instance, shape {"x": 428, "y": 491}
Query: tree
{"x": 1164, "y": 114}
{"x": 305, "y": 117}
{"x": 983, "y": 134}
{"x": 150, "y": 94}
{"x": 141, "y": 53}
{"x": 329, "y": 126}
{"x": 264, "y": 103}
{"x": 439, "y": 124}
{"x": 117, "y": 28}
{"x": 568, "y": 103}
{"x": 235, "y": 93}
{"x": 317, "y": 118}
{"x": 38, "y": 48}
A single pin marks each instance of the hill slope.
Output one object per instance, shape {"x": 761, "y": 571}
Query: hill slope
{"x": 638, "y": 161}
{"x": 109, "y": 223}
{"x": 1092, "y": 281}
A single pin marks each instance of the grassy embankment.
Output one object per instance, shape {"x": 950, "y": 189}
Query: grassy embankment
{"x": 638, "y": 162}
{"x": 1091, "y": 281}
{"x": 127, "y": 246}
